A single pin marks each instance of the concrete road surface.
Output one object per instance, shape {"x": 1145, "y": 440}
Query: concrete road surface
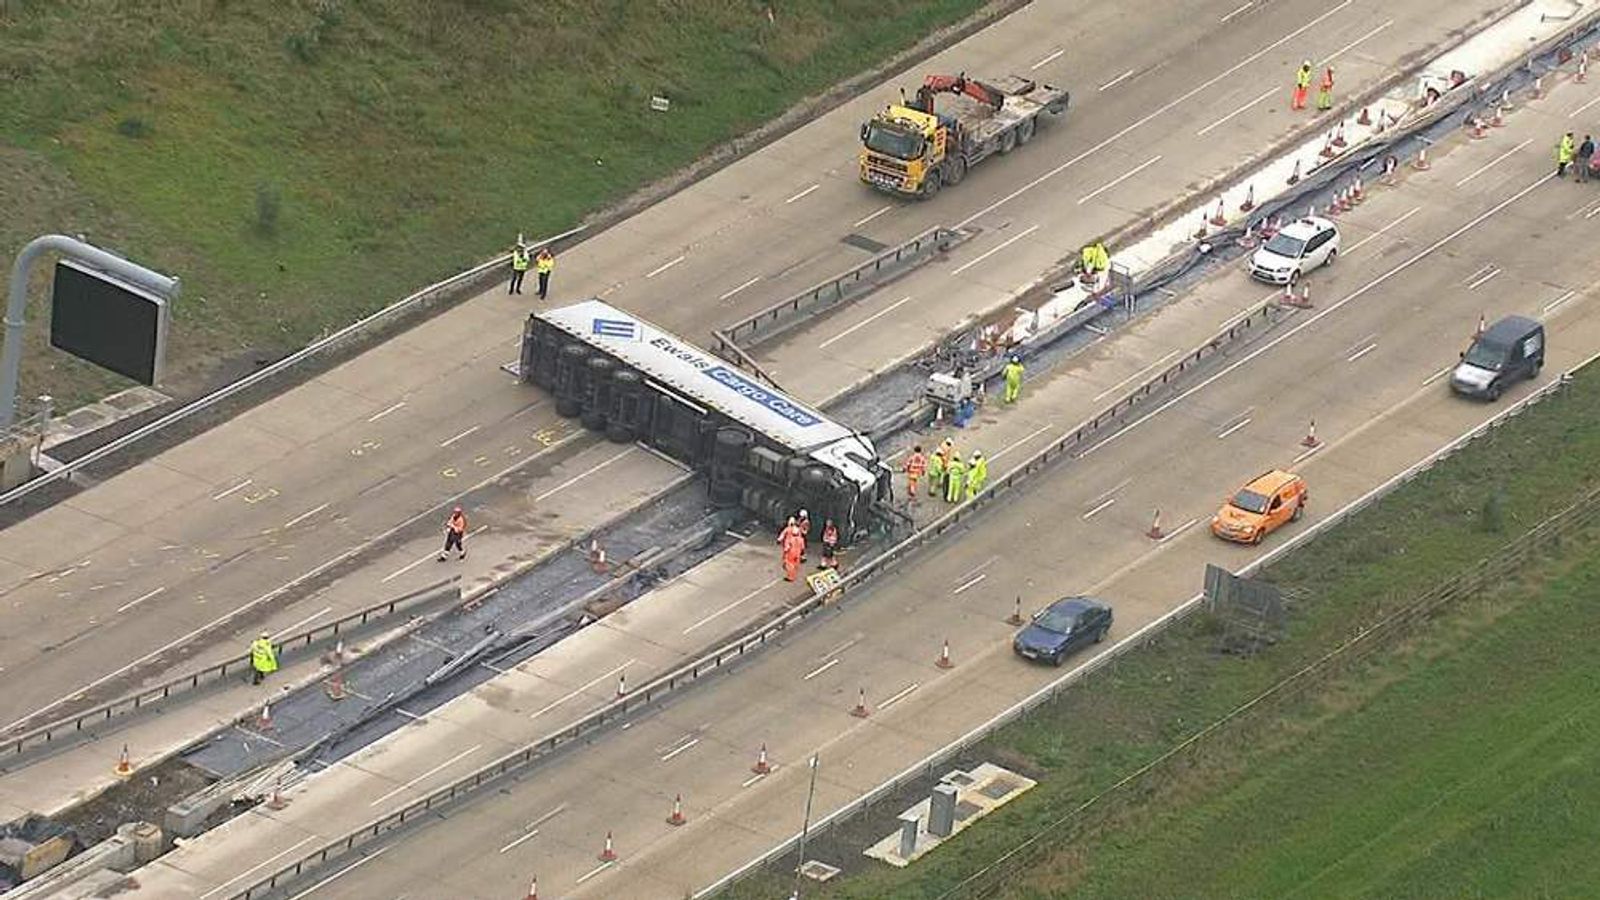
{"x": 1366, "y": 363}
{"x": 332, "y": 496}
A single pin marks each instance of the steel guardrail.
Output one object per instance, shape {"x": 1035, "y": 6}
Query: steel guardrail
{"x": 66, "y": 727}
{"x": 65, "y": 470}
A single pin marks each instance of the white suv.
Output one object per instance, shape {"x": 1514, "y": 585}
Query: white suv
{"x": 1301, "y": 246}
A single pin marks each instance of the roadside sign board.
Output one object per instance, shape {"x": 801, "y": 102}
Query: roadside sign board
{"x": 108, "y": 322}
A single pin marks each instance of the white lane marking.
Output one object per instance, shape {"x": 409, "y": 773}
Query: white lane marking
{"x": 1107, "y": 504}
{"x": 802, "y": 193}
{"x": 754, "y": 778}
{"x": 302, "y": 623}
{"x": 1159, "y": 111}
{"x": 1584, "y": 107}
{"x": 1376, "y": 234}
{"x": 1119, "y": 179}
{"x": 1234, "y": 427}
{"x": 595, "y": 871}
{"x": 258, "y": 866}
{"x": 1047, "y": 60}
{"x": 132, "y": 603}
{"x": 904, "y": 693}
{"x": 1117, "y": 487}
{"x": 1492, "y": 163}
{"x": 1548, "y": 307}
{"x": 1362, "y": 352}
{"x": 238, "y": 487}
{"x": 1436, "y": 376}
{"x": 978, "y": 568}
{"x": 404, "y": 569}
{"x": 1242, "y": 7}
{"x": 582, "y": 475}
{"x": 1351, "y": 46}
{"x": 865, "y": 322}
{"x": 378, "y": 415}
{"x": 1180, "y": 529}
{"x": 841, "y": 648}
{"x": 1119, "y": 385}
{"x": 663, "y": 267}
{"x": 584, "y": 687}
{"x": 870, "y": 216}
{"x": 740, "y": 288}
{"x": 341, "y": 873}
{"x": 996, "y": 249}
{"x": 428, "y": 774}
{"x": 304, "y": 516}
{"x": 1328, "y": 310}
{"x": 1484, "y": 279}
{"x": 1115, "y": 81}
{"x": 820, "y": 669}
{"x": 447, "y": 442}
{"x": 1307, "y": 454}
{"x": 527, "y": 837}
{"x": 969, "y": 584}
{"x": 1229, "y": 117}
{"x": 671, "y": 753}
{"x": 1019, "y": 442}
{"x": 733, "y": 604}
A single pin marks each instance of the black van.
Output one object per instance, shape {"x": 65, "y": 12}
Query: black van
{"x": 1508, "y": 351}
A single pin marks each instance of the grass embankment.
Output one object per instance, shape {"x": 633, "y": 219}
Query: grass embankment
{"x": 299, "y": 164}
{"x": 1461, "y": 759}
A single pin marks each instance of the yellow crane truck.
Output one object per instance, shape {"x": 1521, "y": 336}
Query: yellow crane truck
{"x": 913, "y": 150}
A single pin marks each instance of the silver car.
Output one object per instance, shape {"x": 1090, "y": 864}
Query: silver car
{"x": 1298, "y": 248}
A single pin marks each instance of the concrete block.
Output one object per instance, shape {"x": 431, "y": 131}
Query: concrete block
{"x": 942, "y": 811}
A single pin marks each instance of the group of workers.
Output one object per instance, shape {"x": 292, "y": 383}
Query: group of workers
{"x": 543, "y": 262}
{"x": 1302, "y": 87}
{"x": 948, "y": 476}
{"x": 1569, "y": 151}
{"x": 792, "y": 540}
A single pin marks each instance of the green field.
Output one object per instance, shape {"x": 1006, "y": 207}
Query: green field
{"x": 1460, "y": 759}
{"x": 300, "y": 163}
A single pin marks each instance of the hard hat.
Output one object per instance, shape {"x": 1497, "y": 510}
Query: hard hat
{"x": 1306, "y": 64}
{"x": 804, "y": 515}
{"x": 1014, "y": 358}
{"x": 265, "y": 635}
{"x": 977, "y": 454}
{"x": 792, "y": 520}
{"x": 458, "y": 509}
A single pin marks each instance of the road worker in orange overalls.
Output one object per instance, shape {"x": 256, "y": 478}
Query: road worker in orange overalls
{"x": 455, "y": 533}
{"x": 794, "y": 546}
{"x": 916, "y": 466}
{"x": 830, "y": 546}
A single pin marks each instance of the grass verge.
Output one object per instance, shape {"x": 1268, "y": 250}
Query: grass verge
{"x": 1458, "y": 760}
{"x": 299, "y": 164}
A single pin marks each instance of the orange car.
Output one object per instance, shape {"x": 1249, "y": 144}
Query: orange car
{"x": 1260, "y": 506}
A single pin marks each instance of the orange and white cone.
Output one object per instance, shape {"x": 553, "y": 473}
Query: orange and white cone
{"x": 264, "y": 720}
{"x": 1538, "y": 87}
{"x": 1483, "y": 325}
{"x": 1305, "y": 296}
{"x": 1248, "y": 240}
{"x": 1288, "y": 295}
{"x": 677, "y": 817}
{"x": 1310, "y": 440}
{"x": 1249, "y": 199}
{"x": 1364, "y": 118}
{"x": 1357, "y": 191}
{"x": 1338, "y": 136}
{"x": 609, "y": 854}
{"x": 861, "y": 711}
{"x": 944, "y": 657}
{"x": 1421, "y": 163}
{"x": 1294, "y": 177}
{"x": 1327, "y": 147}
{"x": 276, "y": 801}
{"x": 335, "y": 686}
{"x": 533, "y": 890}
{"x": 1505, "y": 100}
{"x": 1390, "y": 166}
{"x": 622, "y": 685}
{"x": 1155, "y": 533}
{"x": 762, "y": 767}
{"x": 1583, "y": 67}
{"x": 1220, "y": 217}
{"x": 1498, "y": 119}
{"x": 124, "y": 767}
{"x": 1200, "y": 233}
{"x": 597, "y": 556}
{"x": 1016, "y": 614}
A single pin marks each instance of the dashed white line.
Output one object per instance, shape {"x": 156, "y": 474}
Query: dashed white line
{"x": 258, "y": 866}
{"x": 732, "y": 605}
{"x": 1180, "y": 529}
{"x": 865, "y": 322}
{"x": 1548, "y": 307}
{"x": 802, "y": 193}
{"x": 1048, "y": 60}
{"x": 431, "y": 772}
{"x": 1100, "y": 508}
{"x": 378, "y": 415}
{"x": 595, "y": 871}
{"x": 1352, "y": 45}
{"x": 978, "y": 568}
{"x": 132, "y": 603}
{"x": 1124, "y": 382}
{"x": 579, "y": 477}
{"x": 970, "y": 583}
{"x": 1234, "y": 427}
{"x": 1020, "y": 441}
{"x": 1492, "y": 163}
{"x": 1242, "y": 7}
{"x": 870, "y": 216}
{"x": 754, "y": 778}
{"x": 674, "y": 752}
{"x": 404, "y": 569}
{"x": 1119, "y": 179}
{"x": 1584, "y": 107}
{"x": 1307, "y": 454}
{"x": 841, "y": 648}
{"x": 1362, "y": 352}
{"x": 303, "y": 622}
{"x": 238, "y": 487}
{"x": 1115, "y": 81}
{"x": 820, "y": 669}
{"x": 527, "y": 837}
{"x": 1381, "y": 231}
{"x": 663, "y": 267}
{"x": 304, "y": 516}
{"x": 993, "y": 250}
{"x": 1225, "y": 119}
{"x": 448, "y": 441}
{"x": 1484, "y": 279}
{"x": 341, "y": 873}
{"x": 1436, "y": 376}
{"x": 586, "y": 685}
{"x": 904, "y": 693}
{"x": 740, "y": 288}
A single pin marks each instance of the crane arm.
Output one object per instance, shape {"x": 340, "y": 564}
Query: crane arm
{"x": 957, "y": 84}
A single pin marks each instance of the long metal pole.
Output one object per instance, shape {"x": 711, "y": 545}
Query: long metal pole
{"x": 805, "y": 830}
{"x": 17, "y": 303}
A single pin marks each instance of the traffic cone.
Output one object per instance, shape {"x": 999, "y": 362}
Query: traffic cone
{"x": 1363, "y": 119}
{"x": 1357, "y": 192}
{"x": 677, "y": 817}
{"x": 1421, "y": 163}
{"x": 762, "y": 767}
{"x": 1505, "y": 100}
{"x": 1200, "y": 233}
{"x": 1498, "y": 120}
{"x": 1483, "y": 325}
{"x": 533, "y": 890}
{"x": 1248, "y": 240}
{"x": 1249, "y": 198}
{"x": 1327, "y": 147}
{"x": 1294, "y": 177}
{"x": 1340, "y": 203}
{"x": 944, "y": 657}
{"x": 1390, "y": 164}
{"x": 1219, "y": 218}
{"x": 124, "y": 767}
{"x": 609, "y": 854}
{"x": 622, "y": 685}
{"x": 1016, "y": 614}
{"x": 276, "y": 801}
{"x": 1305, "y": 296}
{"x": 1271, "y": 227}
{"x": 1538, "y": 87}
{"x": 1475, "y": 128}
{"x": 1338, "y": 136}
{"x": 1311, "y": 210}
{"x": 1583, "y": 67}
{"x": 1310, "y": 440}
{"x": 597, "y": 556}
{"x": 1288, "y": 295}
{"x": 335, "y": 685}
{"x": 264, "y": 721}
{"x": 1155, "y": 533}
{"x": 861, "y": 711}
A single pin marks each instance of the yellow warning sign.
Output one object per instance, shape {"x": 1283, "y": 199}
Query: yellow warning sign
{"x": 823, "y": 582}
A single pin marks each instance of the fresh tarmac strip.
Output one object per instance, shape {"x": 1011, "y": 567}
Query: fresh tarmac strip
{"x": 1404, "y": 294}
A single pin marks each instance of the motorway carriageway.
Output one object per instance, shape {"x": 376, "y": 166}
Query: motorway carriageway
{"x": 260, "y": 511}
{"x": 1365, "y": 364}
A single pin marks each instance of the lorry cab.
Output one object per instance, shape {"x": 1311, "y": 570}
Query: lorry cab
{"x": 1506, "y": 352}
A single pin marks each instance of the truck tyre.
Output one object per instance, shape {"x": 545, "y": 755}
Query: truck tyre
{"x": 931, "y": 185}
{"x": 1008, "y": 141}
{"x": 1025, "y": 131}
{"x": 955, "y": 169}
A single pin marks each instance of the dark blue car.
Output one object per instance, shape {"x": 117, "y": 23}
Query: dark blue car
{"x": 1062, "y": 627}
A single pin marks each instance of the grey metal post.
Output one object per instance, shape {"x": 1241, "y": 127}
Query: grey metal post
{"x": 805, "y": 830}
{"x": 16, "y": 305}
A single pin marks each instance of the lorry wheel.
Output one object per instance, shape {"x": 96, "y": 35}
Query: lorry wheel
{"x": 956, "y": 170}
{"x": 1008, "y": 141}
{"x": 1025, "y": 131}
{"x": 931, "y": 185}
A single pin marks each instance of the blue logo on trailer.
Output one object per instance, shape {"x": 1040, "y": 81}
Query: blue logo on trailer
{"x": 779, "y": 404}
{"x": 617, "y": 328}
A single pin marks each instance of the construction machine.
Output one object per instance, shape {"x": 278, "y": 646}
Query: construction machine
{"x": 913, "y": 150}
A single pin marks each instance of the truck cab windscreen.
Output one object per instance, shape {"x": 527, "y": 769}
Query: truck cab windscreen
{"x": 894, "y": 142}
{"x": 1485, "y": 355}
